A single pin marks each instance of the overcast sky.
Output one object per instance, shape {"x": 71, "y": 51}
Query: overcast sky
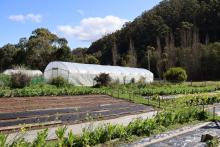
{"x": 79, "y": 21}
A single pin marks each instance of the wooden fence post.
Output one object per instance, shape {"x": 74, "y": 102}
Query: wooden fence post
{"x": 118, "y": 92}
{"x": 214, "y": 113}
{"x": 159, "y": 100}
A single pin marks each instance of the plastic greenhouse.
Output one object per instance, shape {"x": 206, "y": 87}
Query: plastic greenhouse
{"x": 84, "y": 74}
{"x": 30, "y": 73}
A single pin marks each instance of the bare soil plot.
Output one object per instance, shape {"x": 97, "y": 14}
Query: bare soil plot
{"x": 66, "y": 109}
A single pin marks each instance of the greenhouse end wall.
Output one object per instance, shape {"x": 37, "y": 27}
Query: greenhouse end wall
{"x": 84, "y": 74}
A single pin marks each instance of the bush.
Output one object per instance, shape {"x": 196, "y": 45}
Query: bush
{"x": 59, "y": 81}
{"x": 102, "y": 80}
{"x": 19, "y": 80}
{"x": 176, "y": 75}
{"x": 5, "y": 80}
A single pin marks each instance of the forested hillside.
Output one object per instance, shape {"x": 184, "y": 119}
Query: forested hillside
{"x": 174, "y": 33}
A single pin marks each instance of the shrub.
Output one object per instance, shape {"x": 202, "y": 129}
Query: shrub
{"x": 19, "y": 80}
{"x": 102, "y": 80}
{"x": 58, "y": 81}
{"x": 5, "y": 80}
{"x": 175, "y": 75}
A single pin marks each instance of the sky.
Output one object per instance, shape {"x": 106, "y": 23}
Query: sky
{"x": 79, "y": 21}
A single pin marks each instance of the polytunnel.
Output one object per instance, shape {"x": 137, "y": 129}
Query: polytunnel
{"x": 83, "y": 74}
{"x": 30, "y": 73}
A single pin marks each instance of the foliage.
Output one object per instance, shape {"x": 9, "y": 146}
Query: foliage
{"x": 60, "y": 133}
{"x": 3, "y": 139}
{"x": 102, "y": 80}
{"x": 36, "y": 51}
{"x": 175, "y": 75}
{"x": 5, "y": 80}
{"x": 90, "y": 59}
{"x": 213, "y": 143}
{"x": 108, "y": 132}
{"x": 58, "y": 81}
{"x": 43, "y": 89}
{"x": 41, "y": 138}
{"x": 174, "y": 89}
{"x": 19, "y": 80}
{"x": 181, "y": 31}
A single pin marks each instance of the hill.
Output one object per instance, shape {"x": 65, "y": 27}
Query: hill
{"x": 174, "y": 33}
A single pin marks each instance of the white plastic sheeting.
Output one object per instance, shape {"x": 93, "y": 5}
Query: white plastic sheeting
{"x": 84, "y": 74}
{"x": 30, "y": 73}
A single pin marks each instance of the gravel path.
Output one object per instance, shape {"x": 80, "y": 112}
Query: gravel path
{"x": 189, "y": 136}
{"x": 190, "y": 139}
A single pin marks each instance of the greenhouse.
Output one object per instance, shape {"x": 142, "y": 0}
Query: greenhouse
{"x": 30, "y": 73}
{"x": 84, "y": 74}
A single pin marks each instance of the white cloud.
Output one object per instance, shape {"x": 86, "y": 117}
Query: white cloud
{"x": 80, "y": 11}
{"x": 28, "y": 17}
{"x": 92, "y": 28}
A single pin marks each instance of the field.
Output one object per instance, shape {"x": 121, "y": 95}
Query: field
{"x": 64, "y": 109}
{"x": 42, "y": 105}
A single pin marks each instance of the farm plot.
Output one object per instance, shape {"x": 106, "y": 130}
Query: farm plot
{"x": 65, "y": 109}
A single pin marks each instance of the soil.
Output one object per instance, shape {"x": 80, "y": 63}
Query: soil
{"x": 67, "y": 109}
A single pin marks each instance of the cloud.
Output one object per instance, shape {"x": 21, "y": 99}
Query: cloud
{"x": 37, "y": 18}
{"x": 92, "y": 28}
{"x": 80, "y": 11}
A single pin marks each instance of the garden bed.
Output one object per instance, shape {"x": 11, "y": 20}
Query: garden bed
{"x": 67, "y": 109}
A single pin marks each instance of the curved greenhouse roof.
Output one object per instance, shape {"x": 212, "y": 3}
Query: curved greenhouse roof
{"x": 84, "y": 74}
{"x": 30, "y": 73}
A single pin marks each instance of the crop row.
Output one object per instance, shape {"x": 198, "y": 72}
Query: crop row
{"x": 102, "y": 134}
{"x": 172, "y": 90}
{"x": 48, "y": 90}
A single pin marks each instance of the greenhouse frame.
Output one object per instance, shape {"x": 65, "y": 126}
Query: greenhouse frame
{"x": 83, "y": 74}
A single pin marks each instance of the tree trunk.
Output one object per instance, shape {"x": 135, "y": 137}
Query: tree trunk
{"x": 114, "y": 54}
{"x": 159, "y": 46}
{"x": 207, "y": 39}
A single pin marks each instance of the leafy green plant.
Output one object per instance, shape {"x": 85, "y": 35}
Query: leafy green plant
{"x": 41, "y": 138}
{"x": 58, "y": 81}
{"x": 3, "y": 139}
{"x": 213, "y": 143}
{"x": 20, "y": 142}
{"x": 5, "y": 80}
{"x": 70, "y": 138}
{"x": 175, "y": 75}
{"x": 60, "y": 133}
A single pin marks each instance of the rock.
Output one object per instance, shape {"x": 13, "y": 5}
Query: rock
{"x": 206, "y": 137}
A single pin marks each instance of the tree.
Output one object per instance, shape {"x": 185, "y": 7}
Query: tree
{"x": 90, "y": 59}
{"x": 42, "y": 46}
{"x": 8, "y": 54}
{"x": 114, "y": 54}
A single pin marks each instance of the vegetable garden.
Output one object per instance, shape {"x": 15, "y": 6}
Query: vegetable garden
{"x": 187, "y": 108}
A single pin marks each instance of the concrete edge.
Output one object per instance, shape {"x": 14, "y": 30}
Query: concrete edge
{"x": 78, "y": 128}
